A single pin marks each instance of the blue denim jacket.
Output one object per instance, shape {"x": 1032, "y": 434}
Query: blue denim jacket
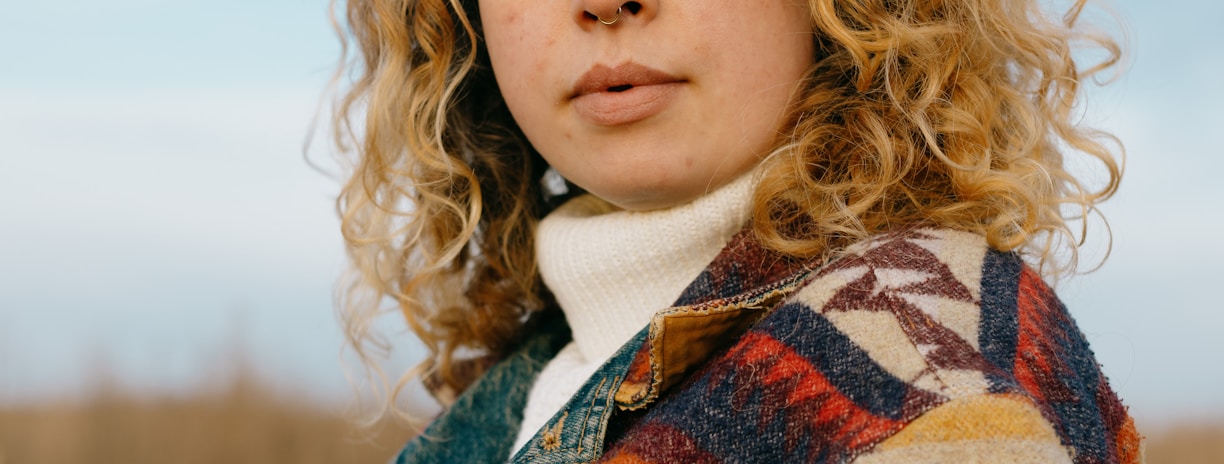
{"x": 482, "y": 423}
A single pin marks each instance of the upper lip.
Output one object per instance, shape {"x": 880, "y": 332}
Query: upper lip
{"x": 601, "y": 78}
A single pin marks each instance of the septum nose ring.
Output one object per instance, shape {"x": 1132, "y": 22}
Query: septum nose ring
{"x": 613, "y": 20}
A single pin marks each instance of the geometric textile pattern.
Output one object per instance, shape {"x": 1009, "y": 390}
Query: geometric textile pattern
{"x": 914, "y": 323}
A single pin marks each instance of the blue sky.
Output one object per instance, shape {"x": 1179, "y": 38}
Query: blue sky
{"x": 156, "y": 212}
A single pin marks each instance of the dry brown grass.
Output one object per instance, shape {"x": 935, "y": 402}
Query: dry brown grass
{"x": 243, "y": 424}
{"x": 247, "y": 423}
{"x": 1189, "y": 443}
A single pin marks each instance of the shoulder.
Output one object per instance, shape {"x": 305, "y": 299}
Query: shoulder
{"x": 914, "y": 323}
{"x": 918, "y": 305}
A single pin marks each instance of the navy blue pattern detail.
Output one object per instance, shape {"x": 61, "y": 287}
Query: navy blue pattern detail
{"x": 998, "y": 335}
{"x": 712, "y": 286}
{"x": 839, "y": 359}
{"x": 1080, "y": 421}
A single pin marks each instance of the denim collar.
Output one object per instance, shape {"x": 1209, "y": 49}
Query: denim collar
{"x": 739, "y": 287}
{"x": 482, "y": 422}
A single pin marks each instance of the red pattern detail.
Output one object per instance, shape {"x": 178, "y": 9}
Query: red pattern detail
{"x": 792, "y": 388}
{"x": 639, "y": 369}
{"x": 1040, "y": 366}
{"x": 657, "y": 443}
{"x": 1039, "y": 359}
{"x": 1120, "y": 426}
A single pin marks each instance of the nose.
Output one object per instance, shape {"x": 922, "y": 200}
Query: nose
{"x": 613, "y": 13}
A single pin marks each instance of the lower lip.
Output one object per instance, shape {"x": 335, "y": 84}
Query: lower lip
{"x": 633, "y": 105}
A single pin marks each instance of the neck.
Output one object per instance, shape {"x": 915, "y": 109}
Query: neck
{"x": 611, "y": 270}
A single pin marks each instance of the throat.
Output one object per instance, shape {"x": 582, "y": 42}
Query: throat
{"x": 612, "y": 270}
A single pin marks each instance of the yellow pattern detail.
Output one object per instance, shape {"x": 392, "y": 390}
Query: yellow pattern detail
{"x": 976, "y": 418}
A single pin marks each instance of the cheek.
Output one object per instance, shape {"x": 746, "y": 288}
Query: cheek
{"x": 769, "y": 40}
{"x": 506, "y": 39}
{"x": 518, "y": 49}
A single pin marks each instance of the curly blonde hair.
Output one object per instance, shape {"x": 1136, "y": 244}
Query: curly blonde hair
{"x": 959, "y": 113}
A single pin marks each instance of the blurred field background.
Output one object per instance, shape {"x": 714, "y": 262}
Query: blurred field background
{"x": 168, "y": 248}
{"x": 244, "y": 422}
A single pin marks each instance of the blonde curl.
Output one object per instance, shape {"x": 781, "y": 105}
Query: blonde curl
{"x": 939, "y": 112}
{"x": 957, "y": 113}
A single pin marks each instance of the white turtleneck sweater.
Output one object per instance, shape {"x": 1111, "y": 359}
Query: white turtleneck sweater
{"x": 611, "y": 270}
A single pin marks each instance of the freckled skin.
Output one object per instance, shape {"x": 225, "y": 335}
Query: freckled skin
{"x": 739, "y": 61}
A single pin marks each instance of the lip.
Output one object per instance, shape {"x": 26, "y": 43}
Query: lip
{"x": 625, "y": 94}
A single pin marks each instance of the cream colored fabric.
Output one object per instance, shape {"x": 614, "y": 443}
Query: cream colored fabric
{"x": 949, "y": 294}
{"x": 612, "y": 270}
{"x": 972, "y": 452}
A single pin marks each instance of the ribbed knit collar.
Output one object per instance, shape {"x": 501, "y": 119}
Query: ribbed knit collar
{"x": 611, "y": 269}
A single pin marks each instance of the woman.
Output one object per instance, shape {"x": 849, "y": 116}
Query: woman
{"x": 724, "y": 231}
